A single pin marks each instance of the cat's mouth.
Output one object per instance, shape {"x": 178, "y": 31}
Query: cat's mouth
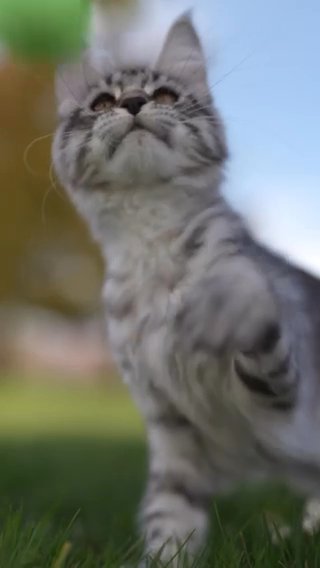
{"x": 139, "y": 133}
{"x": 141, "y": 127}
{"x": 137, "y": 126}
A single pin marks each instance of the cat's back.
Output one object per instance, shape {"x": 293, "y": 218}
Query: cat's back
{"x": 298, "y": 294}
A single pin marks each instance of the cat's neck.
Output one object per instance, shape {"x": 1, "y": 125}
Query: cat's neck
{"x": 139, "y": 217}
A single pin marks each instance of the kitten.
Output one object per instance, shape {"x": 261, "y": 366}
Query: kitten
{"x": 215, "y": 336}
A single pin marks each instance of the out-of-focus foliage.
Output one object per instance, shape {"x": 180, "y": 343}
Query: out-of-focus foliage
{"x": 46, "y": 256}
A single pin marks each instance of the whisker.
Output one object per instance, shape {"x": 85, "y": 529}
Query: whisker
{"x": 54, "y": 184}
{"x": 233, "y": 69}
{"x": 43, "y": 205}
{"x": 199, "y": 104}
{"x": 52, "y": 187}
{"x": 204, "y": 112}
{"x": 27, "y": 150}
{"x": 204, "y": 120}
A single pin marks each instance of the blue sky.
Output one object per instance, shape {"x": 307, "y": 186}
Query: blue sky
{"x": 271, "y": 103}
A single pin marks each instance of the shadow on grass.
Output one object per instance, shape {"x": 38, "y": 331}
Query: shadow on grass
{"x": 98, "y": 483}
{"x": 98, "y": 480}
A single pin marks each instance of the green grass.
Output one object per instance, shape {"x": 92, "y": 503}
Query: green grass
{"x": 72, "y": 469}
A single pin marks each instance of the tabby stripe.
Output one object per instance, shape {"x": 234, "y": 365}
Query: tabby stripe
{"x": 253, "y": 383}
{"x": 163, "y": 485}
{"x": 266, "y": 343}
{"x": 76, "y": 123}
{"x": 195, "y": 240}
{"x": 113, "y": 146}
{"x": 69, "y": 126}
{"x": 273, "y": 367}
{"x": 154, "y": 534}
{"x": 270, "y": 339}
{"x": 120, "y": 310}
{"x": 194, "y": 109}
{"x": 82, "y": 154}
{"x": 154, "y": 516}
{"x": 282, "y": 369}
{"x": 284, "y": 405}
{"x": 205, "y": 152}
{"x": 172, "y": 421}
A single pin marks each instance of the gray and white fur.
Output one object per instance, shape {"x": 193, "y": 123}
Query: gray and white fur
{"x": 215, "y": 336}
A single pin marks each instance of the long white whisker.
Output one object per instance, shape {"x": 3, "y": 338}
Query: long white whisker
{"x": 43, "y": 204}
{"x": 27, "y": 150}
{"x": 233, "y": 69}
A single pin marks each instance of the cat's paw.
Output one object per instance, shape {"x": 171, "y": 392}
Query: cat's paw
{"x": 310, "y": 523}
{"x": 278, "y": 530}
{"x": 231, "y": 309}
{"x": 311, "y": 516}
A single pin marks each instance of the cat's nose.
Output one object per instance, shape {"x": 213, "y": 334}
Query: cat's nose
{"x": 133, "y": 103}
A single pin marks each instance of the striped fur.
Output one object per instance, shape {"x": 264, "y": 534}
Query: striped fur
{"x": 215, "y": 336}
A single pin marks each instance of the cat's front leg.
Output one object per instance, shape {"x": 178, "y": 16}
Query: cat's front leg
{"x": 232, "y": 309}
{"x": 174, "y": 512}
{"x": 229, "y": 307}
{"x": 269, "y": 373}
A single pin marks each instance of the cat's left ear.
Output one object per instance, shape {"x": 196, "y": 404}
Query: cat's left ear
{"x": 183, "y": 57}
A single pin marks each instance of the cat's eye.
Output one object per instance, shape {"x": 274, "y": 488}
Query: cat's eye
{"x": 165, "y": 96}
{"x": 103, "y": 102}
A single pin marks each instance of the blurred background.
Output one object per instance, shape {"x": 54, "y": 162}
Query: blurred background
{"x": 57, "y": 379}
{"x": 263, "y": 61}
{"x": 50, "y": 271}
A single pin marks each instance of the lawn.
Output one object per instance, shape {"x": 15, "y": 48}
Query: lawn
{"x": 72, "y": 468}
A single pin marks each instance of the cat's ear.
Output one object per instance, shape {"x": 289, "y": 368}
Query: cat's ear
{"x": 73, "y": 83}
{"x": 183, "y": 57}
{"x": 75, "y": 79}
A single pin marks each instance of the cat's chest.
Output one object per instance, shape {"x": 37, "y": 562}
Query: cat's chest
{"x": 152, "y": 359}
{"x": 142, "y": 306}
{"x": 142, "y": 311}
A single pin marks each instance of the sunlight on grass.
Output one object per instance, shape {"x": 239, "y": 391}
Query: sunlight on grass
{"x": 33, "y": 410}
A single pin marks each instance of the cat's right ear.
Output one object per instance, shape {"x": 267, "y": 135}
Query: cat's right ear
{"x": 74, "y": 80}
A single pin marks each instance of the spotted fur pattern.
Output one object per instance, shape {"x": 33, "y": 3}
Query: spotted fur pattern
{"x": 215, "y": 336}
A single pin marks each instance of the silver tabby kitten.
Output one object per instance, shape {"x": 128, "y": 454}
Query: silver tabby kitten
{"x": 215, "y": 336}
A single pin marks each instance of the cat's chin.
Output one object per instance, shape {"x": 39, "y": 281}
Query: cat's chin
{"x": 137, "y": 136}
{"x": 142, "y": 158}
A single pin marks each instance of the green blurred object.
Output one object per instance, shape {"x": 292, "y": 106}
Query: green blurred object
{"x": 44, "y": 29}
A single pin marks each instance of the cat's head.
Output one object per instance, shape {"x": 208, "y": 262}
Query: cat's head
{"x": 138, "y": 126}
